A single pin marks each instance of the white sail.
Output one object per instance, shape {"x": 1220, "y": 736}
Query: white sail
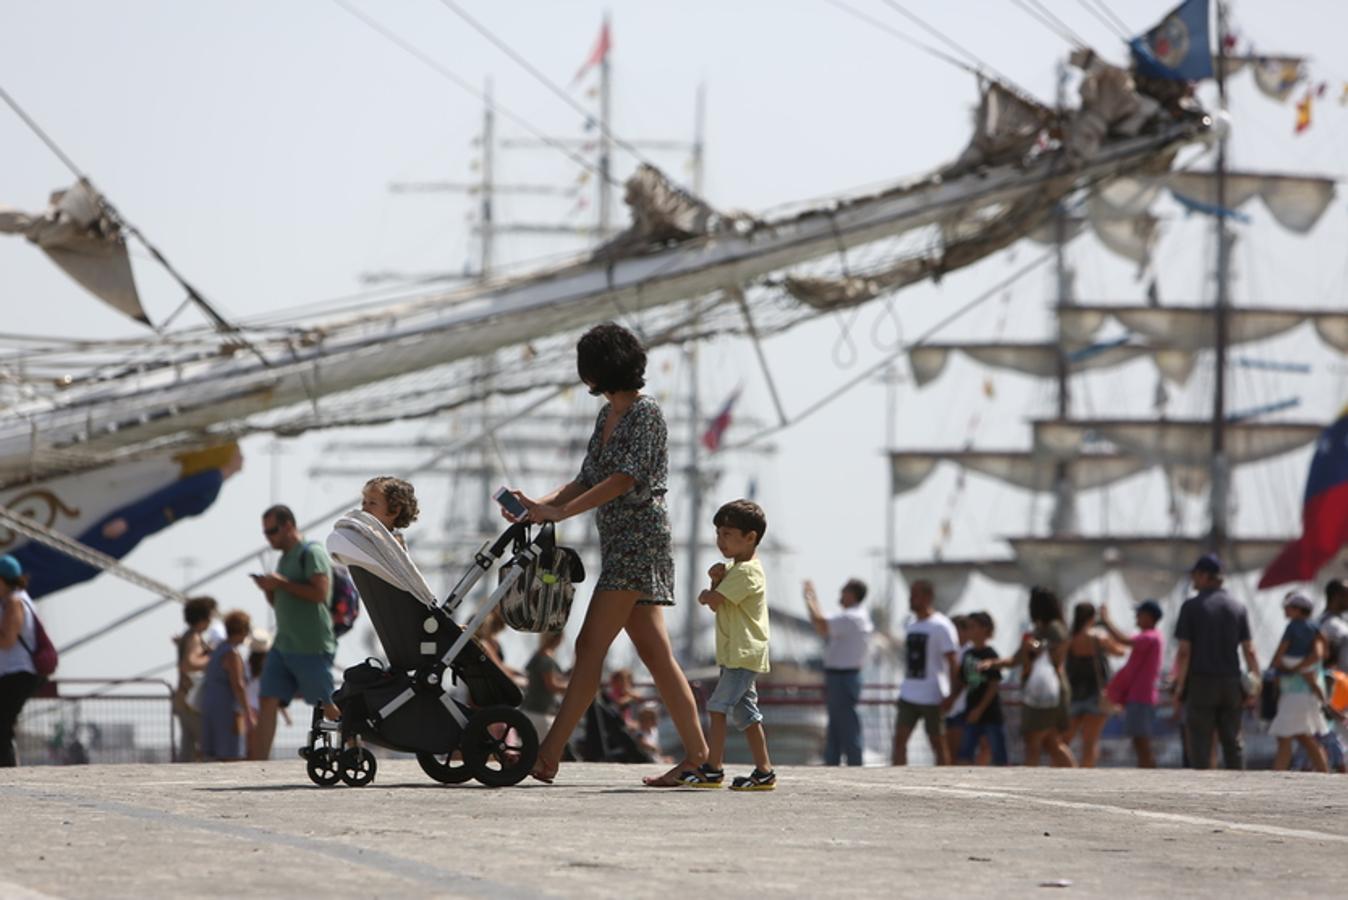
{"x": 928, "y": 361}
{"x": 1019, "y": 468}
{"x": 1296, "y": 201}
{"x": 950, "y": 579}
{"x": 1175, "y": 442}
{"x": 78, "y": 236}
{"x": 1193, "y": 327}
{"x": 1150, "y": 566}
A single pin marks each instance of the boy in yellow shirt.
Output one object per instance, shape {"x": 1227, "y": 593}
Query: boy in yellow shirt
{"x": 738, "y": 596}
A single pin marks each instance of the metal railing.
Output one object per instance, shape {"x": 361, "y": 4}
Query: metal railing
{"x": 98, "y": 720}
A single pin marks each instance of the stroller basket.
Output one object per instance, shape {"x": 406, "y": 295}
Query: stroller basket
{"x": 540, "y": 598}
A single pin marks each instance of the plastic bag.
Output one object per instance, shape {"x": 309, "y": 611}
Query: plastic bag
{"x": 1042, "y": 689}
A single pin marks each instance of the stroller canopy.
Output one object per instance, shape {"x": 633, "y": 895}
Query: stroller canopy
{"x": 359, "y": 540}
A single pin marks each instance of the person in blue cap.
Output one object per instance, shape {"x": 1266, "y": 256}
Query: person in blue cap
{"x": 18, "y": 636}
{"x": 1213, "y": 633}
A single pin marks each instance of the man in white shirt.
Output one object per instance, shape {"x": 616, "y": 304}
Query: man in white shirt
{"x": 931, "y": 671}
{"x": 848, "y": 633}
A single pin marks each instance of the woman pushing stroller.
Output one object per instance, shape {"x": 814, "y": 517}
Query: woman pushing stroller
{"x": 623, "y": 477}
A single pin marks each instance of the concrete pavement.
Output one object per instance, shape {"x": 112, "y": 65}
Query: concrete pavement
{"x": 262, "y": 829}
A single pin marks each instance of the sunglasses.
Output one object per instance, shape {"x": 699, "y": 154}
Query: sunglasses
{"x": 271, "y": 532}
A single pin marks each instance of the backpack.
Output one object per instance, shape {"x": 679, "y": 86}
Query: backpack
{"x": 344, "y": 603}
{"x": 1042, "y": 690}
{"x": 45, "y": 658}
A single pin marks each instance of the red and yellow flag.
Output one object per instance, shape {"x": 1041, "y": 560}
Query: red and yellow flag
{"x": 1303, "y": 113}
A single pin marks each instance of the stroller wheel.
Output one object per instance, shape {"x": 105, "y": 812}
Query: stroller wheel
{"x": 321, "y": 764}
{"x": 444, "y": 768}
{"x": 357, "y": 766}
{"x": 499, "y": 746}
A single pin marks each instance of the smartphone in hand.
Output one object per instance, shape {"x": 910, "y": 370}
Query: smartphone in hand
{"x": 510, "y": 503}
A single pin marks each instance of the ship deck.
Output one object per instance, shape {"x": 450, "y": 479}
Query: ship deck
{"x": 261, "y": 829}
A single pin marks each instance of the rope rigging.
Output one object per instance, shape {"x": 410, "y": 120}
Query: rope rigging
{"x": 464, "y": 85}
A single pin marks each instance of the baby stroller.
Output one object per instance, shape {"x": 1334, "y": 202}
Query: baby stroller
{"x": 408, "y": 705}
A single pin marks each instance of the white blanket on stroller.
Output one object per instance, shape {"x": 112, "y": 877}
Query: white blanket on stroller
{"x": 359, "y": 539}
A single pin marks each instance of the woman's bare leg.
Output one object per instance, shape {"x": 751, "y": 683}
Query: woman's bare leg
{"x": 1033, "y": 742}
{"x": 1314, "y": 752}
{"x": 608, "y": 613}
{"x": 646, "y": 628}
{"x": 1091, "y": 729}
{"x": 1059, "y": 754}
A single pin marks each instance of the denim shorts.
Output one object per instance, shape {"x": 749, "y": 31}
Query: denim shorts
{"x": 1139, "y": 720}
{"x": 736, "y": 697}
{"x": 285, "y": 675}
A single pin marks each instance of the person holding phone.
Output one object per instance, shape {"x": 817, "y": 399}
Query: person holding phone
{"x": 623, "y": 478}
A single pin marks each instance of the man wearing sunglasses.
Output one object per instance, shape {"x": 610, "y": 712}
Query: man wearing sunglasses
{"x": 300, "y": 661}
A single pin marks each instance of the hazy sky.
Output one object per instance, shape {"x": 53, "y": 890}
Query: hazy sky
{"x": 253, "y": 141}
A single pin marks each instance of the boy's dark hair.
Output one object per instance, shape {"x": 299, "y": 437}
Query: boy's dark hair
{"x": 1335, "y": 588}
{"x": 281, "y": 513}
{"x": 959, "y": 621}
{"x": 983, "y": 620}
{"x": 746, "y": 515}
{"x": 198, "y": 609}
{"x": 857, "y": 588}
{"x": 400, "y": 496}
{"x": 1045, "y": 606}
{"x": 611, "y": 359}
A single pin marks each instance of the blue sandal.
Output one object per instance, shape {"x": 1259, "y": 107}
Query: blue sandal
{"x": 757, "y": 781}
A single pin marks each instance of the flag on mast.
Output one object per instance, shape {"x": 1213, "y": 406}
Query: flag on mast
{"x": 1324, "y": 513}
{"x": 1179, "y": 48}
{"x": 598, "y": 54}
{"x": 1303, "y": 113}
{"x": 716, "y": 429}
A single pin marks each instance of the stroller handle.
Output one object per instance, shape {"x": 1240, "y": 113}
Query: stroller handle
{"x": 518, "y": 534}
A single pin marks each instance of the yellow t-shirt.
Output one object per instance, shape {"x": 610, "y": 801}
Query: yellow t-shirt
{"x": 742, "y": 621}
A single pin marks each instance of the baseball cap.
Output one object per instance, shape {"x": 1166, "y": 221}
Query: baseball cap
{"x": 1298, "y": 601}
{"x": 1208, "y": 562}
{"x": 10, "y": 570}
{"x": 1151, "y": 608}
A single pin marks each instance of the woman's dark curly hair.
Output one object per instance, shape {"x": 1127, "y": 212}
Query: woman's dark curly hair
{"x": 610, "y": 359}
{"x": 1045, "y": 607}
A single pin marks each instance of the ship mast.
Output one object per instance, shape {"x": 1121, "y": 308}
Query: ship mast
{"x": 1064, "y": 502}
{"x": 1220, "y": 468}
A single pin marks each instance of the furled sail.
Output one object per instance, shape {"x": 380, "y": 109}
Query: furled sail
{"x": 928, "y": 361}
{"x": 78, "y": 236}
{"x": 1193, "y": 327}
{"x": 1151, "y": 566}
{"x": 949, "y": 579}
{"x": 1020, "y": 468}
{"x": 1175, "y": 442}
{"x": 1297, "y": 202}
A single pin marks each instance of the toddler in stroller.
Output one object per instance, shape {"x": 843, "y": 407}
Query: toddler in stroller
{"x": 407, "y": 705}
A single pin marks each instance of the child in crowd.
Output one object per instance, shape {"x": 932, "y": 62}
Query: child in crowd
{"x": 983, "y": 703}
{"x": 738, "y": 596}
{"x": 648, "y": 732}
{"x": 392, "y": 501}
{"x": 1134, "y": 687}
{"x": 1300, "y": 651}
{"x": 955, "y": 717}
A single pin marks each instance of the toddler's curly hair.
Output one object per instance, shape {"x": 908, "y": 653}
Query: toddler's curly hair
{"x": 400, "y": 496}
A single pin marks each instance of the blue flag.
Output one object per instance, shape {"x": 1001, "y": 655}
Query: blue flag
{"x": 1180, "y": 47}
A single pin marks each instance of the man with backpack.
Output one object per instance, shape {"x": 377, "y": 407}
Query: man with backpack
{"x": 300, "y": 591}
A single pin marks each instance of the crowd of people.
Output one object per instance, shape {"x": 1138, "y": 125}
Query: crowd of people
{"x": 1069, "y": 691}
{"x": 235, "y": 680}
